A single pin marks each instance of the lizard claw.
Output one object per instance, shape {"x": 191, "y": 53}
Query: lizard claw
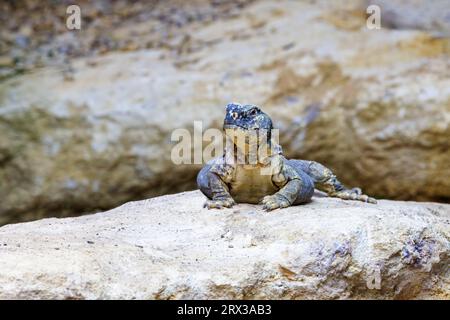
{"x": 274, "y": 202}
{"x": 219, "y": 203}
{"x": 354, "y": 194}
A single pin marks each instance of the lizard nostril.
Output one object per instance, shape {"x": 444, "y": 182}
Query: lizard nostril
{"x": 234, "y": 115}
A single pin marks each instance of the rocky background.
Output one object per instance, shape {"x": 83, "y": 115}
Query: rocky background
{"x": 86, "y": 115}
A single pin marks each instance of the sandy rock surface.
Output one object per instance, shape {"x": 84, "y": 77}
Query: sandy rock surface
{"x": 170, "y": 248}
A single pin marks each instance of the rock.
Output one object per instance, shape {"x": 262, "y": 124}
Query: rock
{"x": 6, "y": 61}
{"x": 373, "y": 105}
{"x": 415, "y": 14}
{"x": 171, "y": 248}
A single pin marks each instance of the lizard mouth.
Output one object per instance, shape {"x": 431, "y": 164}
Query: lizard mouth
{"x": 236, "y": 126}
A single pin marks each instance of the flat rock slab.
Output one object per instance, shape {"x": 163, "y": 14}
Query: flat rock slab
{"x": 171, "y": 248}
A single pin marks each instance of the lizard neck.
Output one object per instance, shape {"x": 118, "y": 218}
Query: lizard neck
{"x": 259, "y": 155}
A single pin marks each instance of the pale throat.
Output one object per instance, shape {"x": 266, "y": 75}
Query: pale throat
{"x": 247, "y": 148}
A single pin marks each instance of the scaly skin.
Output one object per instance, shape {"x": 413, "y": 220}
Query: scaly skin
{"x": 270, "y": 179}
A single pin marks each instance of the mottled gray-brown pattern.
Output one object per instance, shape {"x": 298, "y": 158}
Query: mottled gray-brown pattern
{"x": 270, "y": 179}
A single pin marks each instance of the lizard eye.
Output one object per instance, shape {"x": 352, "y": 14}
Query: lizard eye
{"x": 253, "y": 112}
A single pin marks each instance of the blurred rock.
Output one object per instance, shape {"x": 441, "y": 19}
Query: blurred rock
{"x": 37, "y": 32}
{"x": 374, "y": 105}
{"x": 6, "y": 61}
{"x": 171, "y": 248}
{"x": 432, "y": 16}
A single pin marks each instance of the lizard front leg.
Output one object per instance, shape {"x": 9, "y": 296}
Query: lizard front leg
{"x": 212, "y": 182}
{"x": 221, "y": 197}
{"x": 285, "y": 197}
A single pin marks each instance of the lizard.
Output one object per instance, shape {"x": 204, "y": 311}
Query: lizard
{"x": 254, "y": 170}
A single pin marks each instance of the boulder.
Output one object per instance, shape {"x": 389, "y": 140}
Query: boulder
{"x": 373, "y": 105}
{"x": 415, "y": 14}
{"x": 170, "y": 247}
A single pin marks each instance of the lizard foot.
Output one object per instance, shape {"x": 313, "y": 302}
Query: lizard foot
{"x": 354, "y": 194}
{"x": 219, "y": 203}
{"x": 274, "y": 202}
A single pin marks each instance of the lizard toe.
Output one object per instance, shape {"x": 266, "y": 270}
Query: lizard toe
{"x": 371, "y": 200}
{"x": 355, "y": 194}
{"x": 273, "y": 202}
{"x": 219, "y": 204}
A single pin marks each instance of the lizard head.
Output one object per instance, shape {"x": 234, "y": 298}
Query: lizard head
{"x": 250, "y": 130}
{"x": 246, "y": 117}
{"x": 247, "y": 121}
